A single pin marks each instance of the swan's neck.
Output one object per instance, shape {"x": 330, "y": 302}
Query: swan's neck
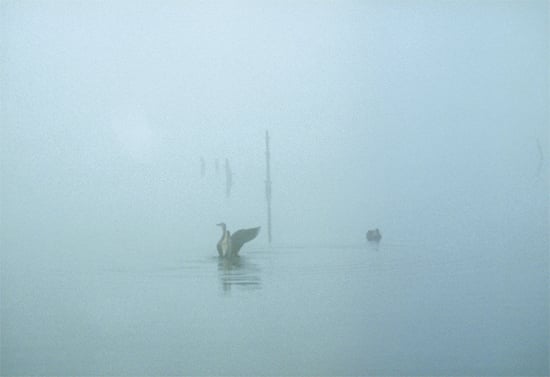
{"x": 225, "y": 242}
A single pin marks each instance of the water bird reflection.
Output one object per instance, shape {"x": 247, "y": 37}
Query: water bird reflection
{"x": 237, "y": 271}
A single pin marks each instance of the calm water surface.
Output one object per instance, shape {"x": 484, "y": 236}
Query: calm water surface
{"x": 388, "y": 308}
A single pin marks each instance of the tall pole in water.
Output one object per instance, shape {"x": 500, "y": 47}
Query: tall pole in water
{"x": 268, "y": 186}
{"x": 228, "y": 179}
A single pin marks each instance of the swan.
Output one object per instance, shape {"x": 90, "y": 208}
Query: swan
{"x": 229, "y": 245}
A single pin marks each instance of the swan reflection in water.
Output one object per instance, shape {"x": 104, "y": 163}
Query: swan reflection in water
{"x": 237, "y": 271}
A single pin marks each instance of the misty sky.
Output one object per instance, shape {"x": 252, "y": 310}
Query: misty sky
{"x": 378, "y": 111}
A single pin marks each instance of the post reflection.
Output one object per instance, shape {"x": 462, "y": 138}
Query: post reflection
{"x": 238, "y": 272}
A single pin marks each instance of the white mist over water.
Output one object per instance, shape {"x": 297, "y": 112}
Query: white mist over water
{"x": 427, "y": 120}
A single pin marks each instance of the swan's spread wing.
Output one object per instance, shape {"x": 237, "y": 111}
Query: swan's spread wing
{"x": 239, "y": 238}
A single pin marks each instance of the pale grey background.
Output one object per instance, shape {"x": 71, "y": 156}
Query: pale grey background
{"x": 426, "y": 119}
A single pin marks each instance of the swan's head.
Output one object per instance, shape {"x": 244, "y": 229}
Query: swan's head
{"x": 221, "y": 224}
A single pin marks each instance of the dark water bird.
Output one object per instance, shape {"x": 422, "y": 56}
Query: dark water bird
{"x": 230, "y": 244}
{"x": 374, "y": 235}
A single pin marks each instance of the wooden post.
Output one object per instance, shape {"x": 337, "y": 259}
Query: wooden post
{"x": 228, "y": 179}
{"x": 203, "y": 167}
{"x": 268, "y": 186}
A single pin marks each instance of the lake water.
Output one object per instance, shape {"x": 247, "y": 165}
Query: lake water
{"x": 453, "y": 307}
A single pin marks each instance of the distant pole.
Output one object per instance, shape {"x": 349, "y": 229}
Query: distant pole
{"x": 228, "y": 179}
{"x": 203, "y": 167}
{"x": 268, "y": 186}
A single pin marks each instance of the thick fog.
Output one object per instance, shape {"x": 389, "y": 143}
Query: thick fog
{"x": 380, "y": 113}
{"x": 425, "y": 119}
